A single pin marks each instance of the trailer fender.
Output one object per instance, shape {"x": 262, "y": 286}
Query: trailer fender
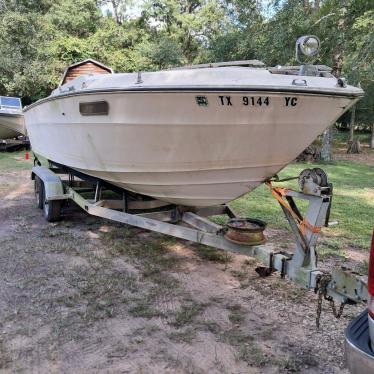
{"x": 53, "y": 187}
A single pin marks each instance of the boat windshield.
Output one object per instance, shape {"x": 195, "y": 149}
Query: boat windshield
{"x": 10, "y": 102}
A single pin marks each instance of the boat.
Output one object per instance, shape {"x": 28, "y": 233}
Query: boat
{"x": 11, "y": 117}
{"x": 192, "y": 137}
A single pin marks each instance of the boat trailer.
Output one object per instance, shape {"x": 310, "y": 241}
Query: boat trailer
{"x": 10, "y": 145}
{"x": 192, "y": 224}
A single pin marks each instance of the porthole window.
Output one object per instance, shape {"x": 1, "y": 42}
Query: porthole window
{"x": 94, "y": 108}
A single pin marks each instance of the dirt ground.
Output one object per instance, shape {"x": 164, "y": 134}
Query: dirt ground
{"x": 86, "y": 296}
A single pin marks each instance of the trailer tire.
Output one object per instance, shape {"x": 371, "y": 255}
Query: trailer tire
{"x": 39, "y": 192}
{"x": 52, "y": 210}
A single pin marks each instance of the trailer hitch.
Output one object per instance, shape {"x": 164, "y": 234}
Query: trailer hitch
{"x": 344, "y": 286}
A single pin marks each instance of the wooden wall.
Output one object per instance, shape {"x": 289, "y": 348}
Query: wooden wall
{"x": 85, "y": 68}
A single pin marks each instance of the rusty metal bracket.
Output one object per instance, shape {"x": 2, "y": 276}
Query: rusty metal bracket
{"x": 347, "y": 284}
{"x": 265, "y": 271}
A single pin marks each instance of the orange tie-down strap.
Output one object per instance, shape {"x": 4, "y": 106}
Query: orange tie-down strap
{"x": 279, "y": 193}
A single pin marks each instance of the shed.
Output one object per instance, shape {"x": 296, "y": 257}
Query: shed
{"x": 88, "y": 66}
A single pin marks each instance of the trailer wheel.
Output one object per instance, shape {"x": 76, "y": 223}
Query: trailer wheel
{"x": 39, "y": 192}
{"x": 52, "y": 210}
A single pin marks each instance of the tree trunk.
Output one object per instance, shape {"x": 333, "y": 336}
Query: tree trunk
{"x": 372, "y": 136}
{"x": 354, "y": 147}
{"x": 326, "y": 154}
{"x": 352, "y": 124}
{"x": 339, "y": 49}
{"x": 116, "y": 10}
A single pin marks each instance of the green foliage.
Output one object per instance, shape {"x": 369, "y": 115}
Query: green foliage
{"x": 190, "y": 23}
{"x": 360, "y": 62}
{"x": 78, "y": 18}
{"x": 163, "y": 53}
{"x": 38, "y": 38}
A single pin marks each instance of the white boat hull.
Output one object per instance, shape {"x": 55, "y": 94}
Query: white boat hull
{"x": 165, "y": 145}
{"x": 11, "y": 125}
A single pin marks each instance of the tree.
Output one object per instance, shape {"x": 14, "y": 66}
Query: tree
{"x": 241, "y": 35}
{"x": 327, "y": 136}
{"x": 119, "y": 7}
{"x": 352, "y": 124}
{"x": 359, "y": 65}
{"x": 38, "y": 39}
{"x": 337, "y": 65}
{"x": 190, "y": 23}
{"x": 346, "y": 28}
{"x": 163, "y": 53}
{"x": 71, "y": 17}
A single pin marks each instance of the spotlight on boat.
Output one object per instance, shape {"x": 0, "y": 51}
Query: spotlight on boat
{"x": 308, "y": 45}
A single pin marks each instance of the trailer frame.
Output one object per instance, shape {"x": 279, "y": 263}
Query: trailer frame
{"x": 192, "y": 224}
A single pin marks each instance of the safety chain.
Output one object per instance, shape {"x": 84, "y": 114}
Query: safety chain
{"x": 322, "y": 283}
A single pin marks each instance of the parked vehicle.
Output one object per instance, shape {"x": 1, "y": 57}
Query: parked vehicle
{"x": 11, "y": 117}
{"x": 359, "y": 336}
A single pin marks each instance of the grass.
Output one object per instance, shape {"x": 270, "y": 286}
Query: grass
{"x": 187, "y": 314}
{"x": 153, "y": 258}
{"x": 185, "y": 336}
{"x": 236, "y": 337}
{"x": 213, "y": 254}
{"x": 211, "y": 326}
{"x": 298, "y": 362}
{"x": 146, "y": 331}
{"x": 99, "y": 289}
{"x": 236, "y": 317}
{"x": 353, "y": 202}
{"x": 267, "y": 333}
{"x": 118, "y": 351}
{"x": 15, "y": 160}
{"x": 253, "y": 355}
{"x": 143, "y": 309}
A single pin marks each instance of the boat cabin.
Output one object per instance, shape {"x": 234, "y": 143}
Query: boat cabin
{"x": 85, "y": 67}
{"x": 7, "y": 102}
